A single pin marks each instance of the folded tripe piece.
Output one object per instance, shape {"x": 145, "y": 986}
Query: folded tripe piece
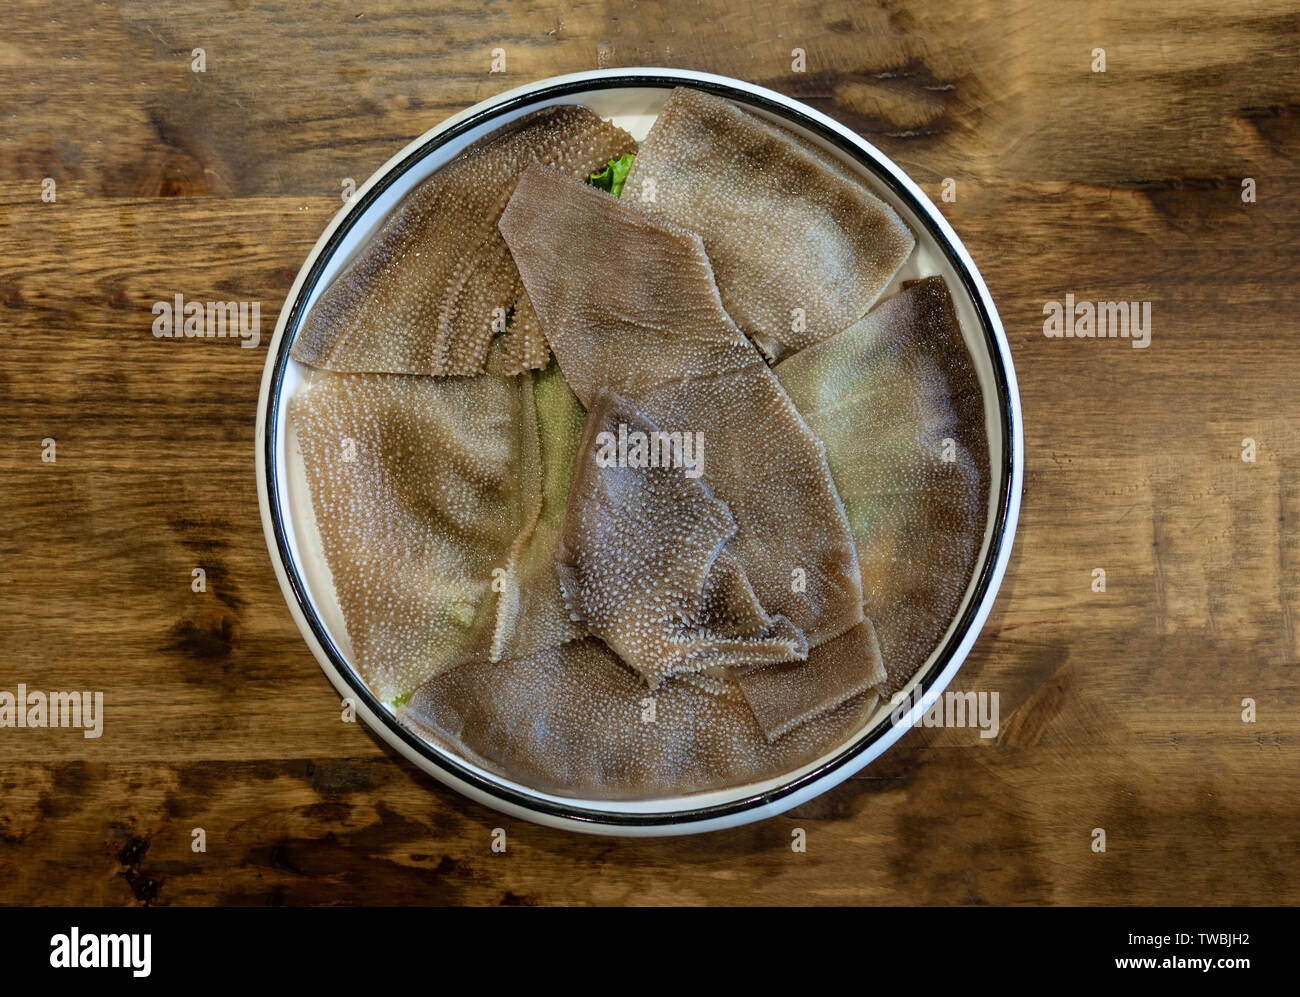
{"x": 663, "y": 342}
{"x": 784, "y": 696}
{"x": 417, "y": 495}
{"x": 897, "y": 403}
{"x": 430, "y": 290}
{"x": 642, "y": 559}
{"x": 439, "y": 503}
{"x": 799, "y": 247}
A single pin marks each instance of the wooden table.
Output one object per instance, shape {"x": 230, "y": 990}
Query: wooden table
{"x": 1120, "y": 710}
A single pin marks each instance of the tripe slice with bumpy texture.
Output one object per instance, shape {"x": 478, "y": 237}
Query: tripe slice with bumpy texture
{"x": 415, "y": 488}
{"x": 642, "y": 559}
{"x": 662, "y": 341}
{"x": 574, "y": 721}
{"x": 786, "y": 696}
{"x": 897, "y": 403}
{"x": 524, "y": 344}
{"x": 801, "y": 249}
{"x": 423, "y": 296}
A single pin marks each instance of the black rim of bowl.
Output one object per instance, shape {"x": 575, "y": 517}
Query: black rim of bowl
{"x": 575, "y": 812}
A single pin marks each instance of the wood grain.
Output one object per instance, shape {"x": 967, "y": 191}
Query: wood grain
{"x": 1119, "y": 710}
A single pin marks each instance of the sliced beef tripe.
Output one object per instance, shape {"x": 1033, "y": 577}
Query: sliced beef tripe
{"x": 417, "y": 495}
{"x": 642, "y": 559}
{"x": 786, "y": 696}
{"x": 572, "y": 720}
{"x": 427, "y": 293}
{"x": 800, "y": 247}
{"x": 661, "y": 340}
{"x": 655, "y": 317}
{"x": 897, "y": 403}
{"x": 524, "y": 343}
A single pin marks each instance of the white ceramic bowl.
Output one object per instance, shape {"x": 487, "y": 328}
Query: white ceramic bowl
{"x": 631, "y": 98}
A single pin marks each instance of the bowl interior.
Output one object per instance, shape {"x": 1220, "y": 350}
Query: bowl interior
{"x": 634, "y": 107}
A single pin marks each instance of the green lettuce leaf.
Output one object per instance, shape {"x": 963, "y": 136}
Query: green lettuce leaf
{"x": 613, "y": 176}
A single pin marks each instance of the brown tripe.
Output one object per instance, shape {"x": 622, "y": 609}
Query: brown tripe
{"x": 784, "y": 696}
{"x": 423, "y": 295}
{"x": 897, "y": 403}
{"x": 417, "y": 497}
{"x": 800, "y": 248}
{"x": 524, "y": 343}
{"x": 663, "y": 341}
{"x": 642, "y": 559}
{"x": 574, "y": 721}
